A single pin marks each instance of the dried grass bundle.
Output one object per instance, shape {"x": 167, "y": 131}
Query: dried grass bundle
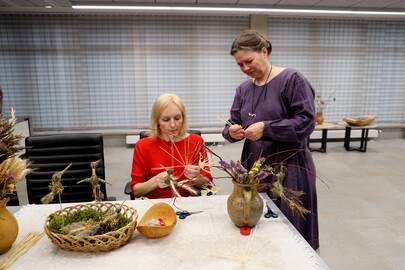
{"x": 29, "y": 240}
{"x": 8, "y": 140}
{"x": 12, "y": 168}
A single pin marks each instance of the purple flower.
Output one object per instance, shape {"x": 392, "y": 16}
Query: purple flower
{"x": 225, "y": 165}
{"x": 260, "y": 176}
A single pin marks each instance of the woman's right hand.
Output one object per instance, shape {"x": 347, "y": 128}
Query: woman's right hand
{"x": 236, "y": 132}
{"x": 160, "y": 180}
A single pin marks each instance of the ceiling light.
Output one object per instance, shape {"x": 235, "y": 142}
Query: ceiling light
{"x": 270, "y": 11}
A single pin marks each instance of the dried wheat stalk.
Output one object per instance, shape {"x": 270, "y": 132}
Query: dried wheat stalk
{"x": 29, "y": 240}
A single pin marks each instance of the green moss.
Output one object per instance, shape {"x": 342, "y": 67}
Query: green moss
{"x": 57, "y": 222}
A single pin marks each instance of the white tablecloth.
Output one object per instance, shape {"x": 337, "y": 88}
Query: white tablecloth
{"x": 208, "y": 240}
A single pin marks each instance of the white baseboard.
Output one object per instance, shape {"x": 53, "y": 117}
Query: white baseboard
{"x": 208, "y": 138}
{"x": 317, "y": 134}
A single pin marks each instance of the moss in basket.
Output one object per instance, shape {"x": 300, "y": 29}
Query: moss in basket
{"x": 91, "y": 217}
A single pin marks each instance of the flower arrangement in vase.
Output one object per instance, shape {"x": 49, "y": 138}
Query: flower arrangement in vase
{"x": 320, "y": 105}
{"x": 245, "y": 206}
{"x": 258, "y": 173}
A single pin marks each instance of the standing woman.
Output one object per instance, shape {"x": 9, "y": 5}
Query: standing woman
{"x": 274, "y": 112}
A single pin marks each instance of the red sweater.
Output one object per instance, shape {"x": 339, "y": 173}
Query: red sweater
{"x": 152, "y": 154}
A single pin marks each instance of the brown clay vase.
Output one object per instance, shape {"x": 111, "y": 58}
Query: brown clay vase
{"x": 245, "y": 206}
{"x": 8, "y": 227}
{"x": 319, "y": 118}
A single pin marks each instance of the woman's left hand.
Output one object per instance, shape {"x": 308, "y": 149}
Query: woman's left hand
{"x": 255, "y": 131}
{"x": 191, "y": 171}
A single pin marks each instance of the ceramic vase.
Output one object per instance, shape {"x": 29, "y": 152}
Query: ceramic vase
{"x": 319, "y": 118}
{"x": 245, "y": 206}
{"x": 8, "y": 227}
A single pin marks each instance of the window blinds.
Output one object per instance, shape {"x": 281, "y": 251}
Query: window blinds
{"x": 361, "y": 63}
{"x": 104, "y": 72}
{"x": 92, "y": 72}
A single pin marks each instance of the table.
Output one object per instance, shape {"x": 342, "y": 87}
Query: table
{"x": 13, "y": 209}
{"x": 208, "y": 240}
{"x": 324, "y": 127}
{"x": 363, "y": 138}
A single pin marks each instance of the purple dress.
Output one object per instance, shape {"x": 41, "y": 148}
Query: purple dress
{"x": 286, "y": 106}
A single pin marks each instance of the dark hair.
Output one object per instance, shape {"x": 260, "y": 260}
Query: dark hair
{"x": 252, "y": 40}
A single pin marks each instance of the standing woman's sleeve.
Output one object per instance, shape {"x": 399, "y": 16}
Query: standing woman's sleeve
{"x": 235, "y": 115}
{"x": 298, "y": 98}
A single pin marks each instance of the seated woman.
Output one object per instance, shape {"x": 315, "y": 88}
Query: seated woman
{"x": 170, "y": 153}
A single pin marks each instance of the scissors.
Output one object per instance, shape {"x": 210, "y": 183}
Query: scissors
{"x": 270, "y": 213}
{"x": 184, "y": 214}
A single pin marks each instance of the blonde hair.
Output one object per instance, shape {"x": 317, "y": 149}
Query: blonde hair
{"x": 160, "y": 104}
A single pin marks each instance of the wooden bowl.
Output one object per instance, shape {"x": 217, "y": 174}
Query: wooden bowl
{"x": 360, "y": 120}
{"x": 158, "y": 210}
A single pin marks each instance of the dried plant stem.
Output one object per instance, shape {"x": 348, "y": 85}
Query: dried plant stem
{"x": 147, "y": 199}
{"x": 60, "y": 201}
{"x": 237, "y": 258}
{"x": 170, "y": 181}
{"x": 29, "y": 240}
{"x": 303, "y": 168}
{"x": 226, "y": 121}
{"x": 189, "y": 188}
{"x": 172, "y": 156}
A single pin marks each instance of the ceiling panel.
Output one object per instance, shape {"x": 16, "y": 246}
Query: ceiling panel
{"x": 176, "y": 1}
{"x": 258, "y": 2}
{"x": 397, "y": 5}
{"x": 217, "y": 2}
{"x": 374, "y": 3}
{"x": 134, "y": 1}
{"x": 18, "y": 3}
{"x": 297, "y": 2}
{"x": 58, "y": 3}
{"x": 337, "y": 4}
{"x": 91, "y": 2}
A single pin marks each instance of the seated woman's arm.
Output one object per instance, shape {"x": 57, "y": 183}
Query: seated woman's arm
{"x": 157, "y": 181}
{"x": 139, "y": 185}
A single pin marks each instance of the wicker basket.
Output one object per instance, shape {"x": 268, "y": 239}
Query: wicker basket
{"x": 360, "y": 121}
{"x": 95, "y": 243}
{"x": 158, "y": 210}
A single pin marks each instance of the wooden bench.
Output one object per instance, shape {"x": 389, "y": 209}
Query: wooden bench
{"x": 343, "y": 132}
{"x": 323, "y": 128}
{"x": 363, "y": 139}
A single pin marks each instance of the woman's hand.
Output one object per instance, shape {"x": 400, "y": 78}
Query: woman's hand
{"x": 191, "y": 171}
{"x": 237, "y": 132}
{"x": 160, "y": 180}
{"x": 255, "y": 131}
{"x": 195, "y": 179}
{"x": 157, "y": 181}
